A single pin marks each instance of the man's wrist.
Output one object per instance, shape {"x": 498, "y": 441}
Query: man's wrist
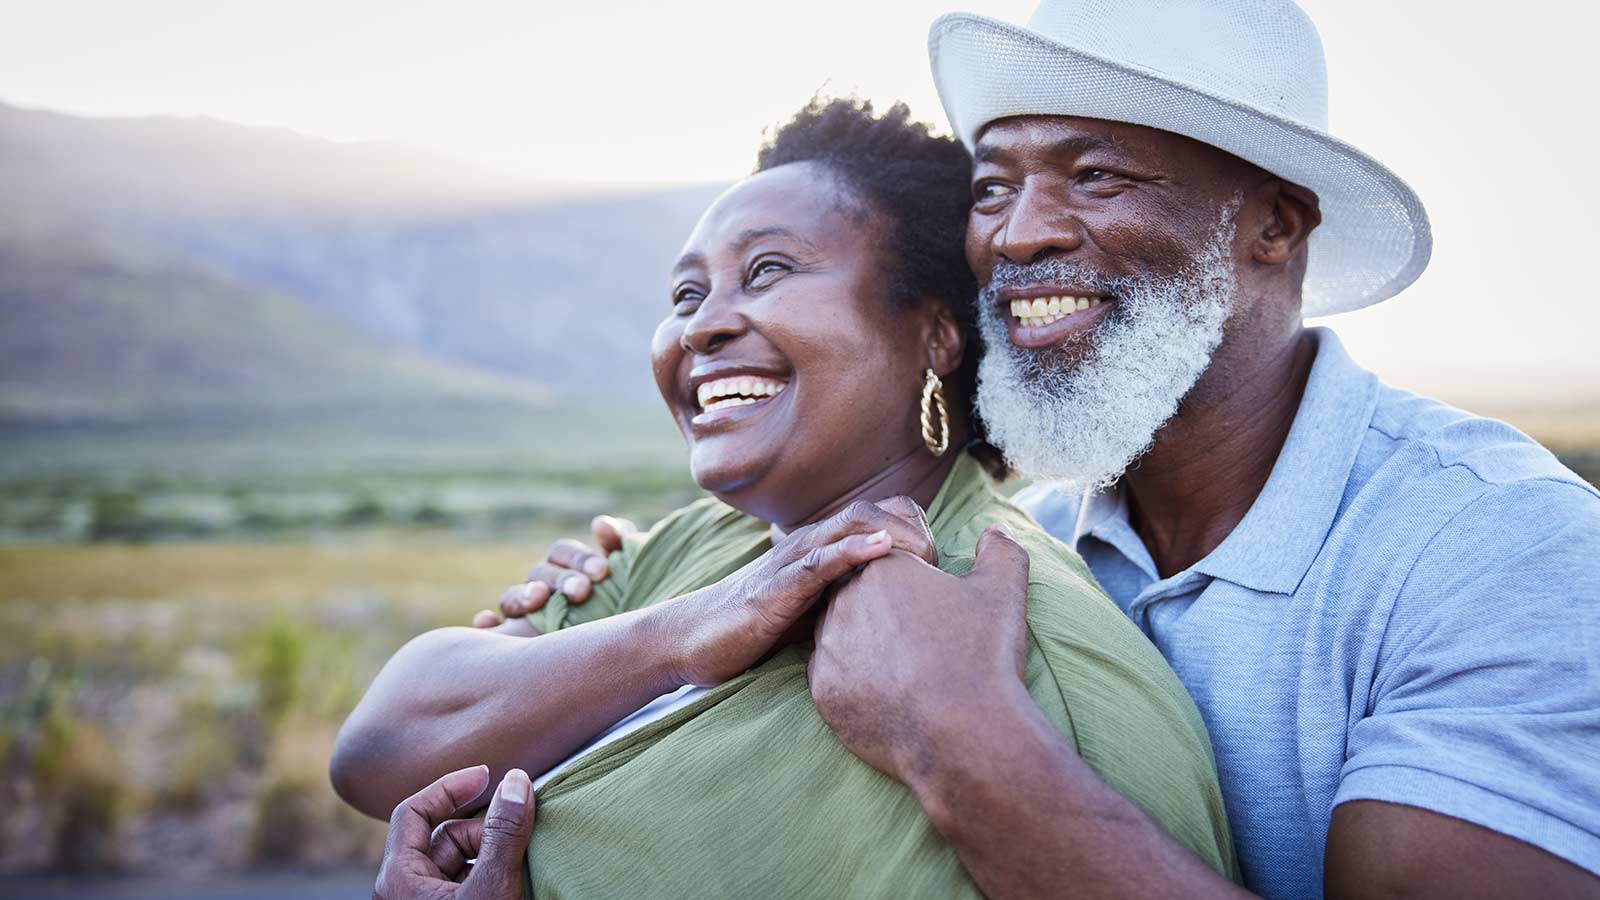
{"x": 966, "y": 756}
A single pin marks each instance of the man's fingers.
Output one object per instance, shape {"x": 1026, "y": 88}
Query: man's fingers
{"x": 507, "y": 826}
{"x": 578, "y": 558}
{"x": 608, "y": 532}
{"x": 455, "y": 842}
{"x": 411, "y": 826}
{"x": 486, "y": 618}
{"x": 1000, "y": 557}
{"x": 554, "y": 578}
{"x": 521, "y": 599}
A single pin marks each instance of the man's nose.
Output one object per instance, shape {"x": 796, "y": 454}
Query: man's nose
{"x": 1035, "y": 228}
{"x": 713, "y": 324}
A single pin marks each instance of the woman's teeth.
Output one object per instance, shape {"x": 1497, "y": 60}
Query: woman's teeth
{"x": 1044, "y": 310}
{"x": 741, "y": 391}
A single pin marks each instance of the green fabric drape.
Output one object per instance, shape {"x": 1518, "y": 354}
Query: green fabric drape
{"x": 745, "y": 792}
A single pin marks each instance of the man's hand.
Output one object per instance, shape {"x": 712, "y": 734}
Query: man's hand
{"x": 571, "y": 568}
{"x": 427, "y": 851}
{"x": 906, "y": 653}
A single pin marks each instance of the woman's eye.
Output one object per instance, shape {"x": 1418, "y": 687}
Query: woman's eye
{"x": 685, "y": 295}
{"x": 766, "y": 267}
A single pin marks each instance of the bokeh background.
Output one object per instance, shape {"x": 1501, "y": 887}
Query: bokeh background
{"x": 319, "y": 320}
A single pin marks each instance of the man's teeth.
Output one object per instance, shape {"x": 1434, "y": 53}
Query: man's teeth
{"x": 1044, "y": 310}
{"x": 741, "y": 391}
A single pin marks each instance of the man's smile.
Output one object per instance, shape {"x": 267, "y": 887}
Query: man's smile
{"x": 1044, "y": 316}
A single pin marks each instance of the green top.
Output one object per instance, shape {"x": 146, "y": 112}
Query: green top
{"x": 746, "y": 793}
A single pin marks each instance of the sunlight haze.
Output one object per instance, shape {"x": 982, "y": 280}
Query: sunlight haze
{"x": 1481, "y": 112}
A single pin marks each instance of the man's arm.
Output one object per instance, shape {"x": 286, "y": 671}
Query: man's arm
{"x": 1025, "y": 814}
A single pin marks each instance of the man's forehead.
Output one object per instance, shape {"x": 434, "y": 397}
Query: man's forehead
{"x": 1032, "y": 134}
{"x": 1050, "y": 138}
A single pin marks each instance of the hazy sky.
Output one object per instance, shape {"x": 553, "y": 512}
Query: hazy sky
{"x": 1487, "y": 114}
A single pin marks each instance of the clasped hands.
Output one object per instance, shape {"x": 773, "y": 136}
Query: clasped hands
{"x": 908, "y": 658}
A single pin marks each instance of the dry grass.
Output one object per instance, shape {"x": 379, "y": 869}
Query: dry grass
{"x": 184, "y": 698}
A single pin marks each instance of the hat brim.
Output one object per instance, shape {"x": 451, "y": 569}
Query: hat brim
{"x": 1374, "y": 239}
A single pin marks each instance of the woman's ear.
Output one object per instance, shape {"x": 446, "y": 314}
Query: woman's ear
{"x": 946, "y": 340}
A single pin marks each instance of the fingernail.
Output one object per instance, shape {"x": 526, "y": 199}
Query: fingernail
{"x": 878, "y": 537}
{"x": 1001, "y": 527}
{"x": 594, "y": 567}
{"x": 515, "y": 787}
{"x": 571, "y": 584}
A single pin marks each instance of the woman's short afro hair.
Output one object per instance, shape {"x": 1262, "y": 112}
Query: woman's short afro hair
{"x": 919, "y": 182}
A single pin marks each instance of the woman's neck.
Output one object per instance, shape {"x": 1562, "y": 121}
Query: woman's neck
{"x": 917, "y": 474}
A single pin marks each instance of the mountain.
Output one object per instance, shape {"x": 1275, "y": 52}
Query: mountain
{"x": 101, "y": 333}
{"x": 195, "y": 268}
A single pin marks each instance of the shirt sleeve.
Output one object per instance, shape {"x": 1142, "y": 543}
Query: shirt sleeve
{"x": 1485, "y": 705}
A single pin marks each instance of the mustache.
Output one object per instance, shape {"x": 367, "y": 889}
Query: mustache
{"x": 1054, "y": 271}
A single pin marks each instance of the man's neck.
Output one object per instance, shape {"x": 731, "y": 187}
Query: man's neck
{"x": 1210, "y": 462}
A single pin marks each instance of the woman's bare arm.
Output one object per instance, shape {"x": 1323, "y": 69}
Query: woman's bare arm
{"x": 461, "y": 696}
{"x": 457, "y": 696}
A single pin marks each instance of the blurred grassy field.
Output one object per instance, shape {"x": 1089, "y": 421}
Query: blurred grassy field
{"x": 190, "y": 612}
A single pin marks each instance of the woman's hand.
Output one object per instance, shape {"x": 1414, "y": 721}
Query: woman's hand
{"x": 721, "y": 630}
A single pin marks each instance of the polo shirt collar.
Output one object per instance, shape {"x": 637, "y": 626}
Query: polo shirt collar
{"x": 1273, "y": 547}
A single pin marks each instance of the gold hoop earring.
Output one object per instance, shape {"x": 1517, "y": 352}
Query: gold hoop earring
{"x": 933, "y": 400}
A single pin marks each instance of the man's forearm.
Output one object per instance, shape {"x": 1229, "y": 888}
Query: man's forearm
{"x": 1029, "y": 818}
{"x": 457, "y": 697}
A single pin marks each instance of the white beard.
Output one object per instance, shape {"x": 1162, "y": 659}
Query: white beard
{"x": 1086, "y": 423}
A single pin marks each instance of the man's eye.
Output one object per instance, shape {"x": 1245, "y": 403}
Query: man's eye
{"x": 1098, "y": 175}
{"x": 989, "y": 190}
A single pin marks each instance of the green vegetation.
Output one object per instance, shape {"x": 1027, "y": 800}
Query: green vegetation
{"x": 191, "y": 611}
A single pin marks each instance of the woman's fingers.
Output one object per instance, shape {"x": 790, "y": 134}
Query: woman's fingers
{"x": 863, "y": 517}
{"x": 907, "y": 509}
{"x": 486, "y": 618}
{"x": 806, "y": 577}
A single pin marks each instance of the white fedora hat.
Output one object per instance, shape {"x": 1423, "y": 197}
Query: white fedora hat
{"x": 1243, "y": 75}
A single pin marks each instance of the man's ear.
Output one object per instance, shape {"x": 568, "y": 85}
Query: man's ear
{"x": 1295, "y": 213}
{"x": 946, "y": 340}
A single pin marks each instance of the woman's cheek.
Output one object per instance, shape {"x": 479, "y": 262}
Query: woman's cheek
{"x": 666, "y": 353}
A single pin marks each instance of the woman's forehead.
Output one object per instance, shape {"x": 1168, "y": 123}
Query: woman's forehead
{"x": 797, "y": 201}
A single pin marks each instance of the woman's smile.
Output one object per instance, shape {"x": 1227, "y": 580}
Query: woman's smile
{"x": 727, "y": 395}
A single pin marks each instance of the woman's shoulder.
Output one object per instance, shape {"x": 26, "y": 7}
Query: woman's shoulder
{"x": 705, "y": 519}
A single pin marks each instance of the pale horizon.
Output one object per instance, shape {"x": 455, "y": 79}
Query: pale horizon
{"x": 1477, "y": 112}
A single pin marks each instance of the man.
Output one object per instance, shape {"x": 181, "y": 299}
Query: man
{"x": 1388, "y": 611}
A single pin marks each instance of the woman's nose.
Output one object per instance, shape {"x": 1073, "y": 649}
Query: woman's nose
{"x": 1036, "y": 228}
{"x": 713, "y": 324}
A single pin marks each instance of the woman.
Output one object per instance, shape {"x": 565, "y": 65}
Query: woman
{"x": 818, "y": 357}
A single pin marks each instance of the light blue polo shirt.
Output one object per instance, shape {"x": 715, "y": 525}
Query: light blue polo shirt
{"x": 1409, "y": 612}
